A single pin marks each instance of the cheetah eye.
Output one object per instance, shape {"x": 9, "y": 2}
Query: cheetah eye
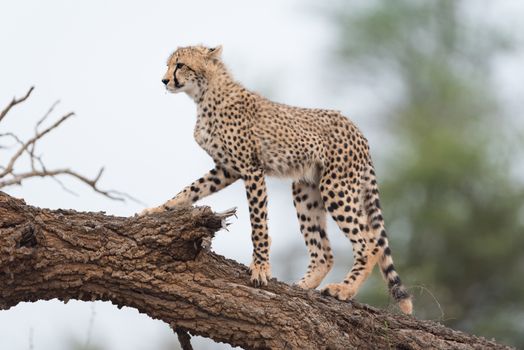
{"x": 179, "y": 65}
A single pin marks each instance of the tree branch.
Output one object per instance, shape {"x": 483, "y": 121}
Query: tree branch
{"x": 23, "y": 148}
{"x": 14, "y": 102}
{"x": 157, "y": 265}
{"x": 184, "y": 338}
{"x": 8, "y": 174}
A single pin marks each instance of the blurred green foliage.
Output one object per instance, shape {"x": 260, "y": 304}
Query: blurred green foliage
{"x": 447, "y": 181}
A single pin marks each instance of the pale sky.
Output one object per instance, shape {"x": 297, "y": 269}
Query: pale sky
{"x": 104, "y": 60}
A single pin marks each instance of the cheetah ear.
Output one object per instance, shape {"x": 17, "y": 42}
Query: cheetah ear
{"x": 215, "y": 52}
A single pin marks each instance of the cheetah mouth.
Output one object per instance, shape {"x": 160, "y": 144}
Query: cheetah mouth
{"x": 174, "y": 89}
{"x": 177, "y": 83}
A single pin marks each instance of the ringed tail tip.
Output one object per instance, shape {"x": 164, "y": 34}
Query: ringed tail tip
{"x": 406, "y": 306}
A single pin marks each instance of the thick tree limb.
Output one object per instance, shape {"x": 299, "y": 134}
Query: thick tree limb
{"x": 156, "y": 264}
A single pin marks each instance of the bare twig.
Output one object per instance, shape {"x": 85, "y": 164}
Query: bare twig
{"x": 31, "y": 338}
{"x": 17, "y": 179}
{"x": 90, "y": 326}
{"x": 33, "y": 146}
{"x": 442, "y": 317}
{"x": 14, "y": 102}
{"x": 13, "y": 136}
{"x": 24, "y": 147}
{"x": 9, "y": 176}
{"x": 47, "y": 114}
{"x": 64, "y": 187}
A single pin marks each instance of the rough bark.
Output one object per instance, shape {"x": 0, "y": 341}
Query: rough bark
{"x": 156, "y": 264}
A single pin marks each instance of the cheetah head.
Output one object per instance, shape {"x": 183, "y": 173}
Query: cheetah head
{"x": 190, "y": 68}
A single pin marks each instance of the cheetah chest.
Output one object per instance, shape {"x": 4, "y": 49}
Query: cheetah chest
{"x": 206, "y": 136}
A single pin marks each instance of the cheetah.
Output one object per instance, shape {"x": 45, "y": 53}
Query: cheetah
{"x": 323, "y": 152}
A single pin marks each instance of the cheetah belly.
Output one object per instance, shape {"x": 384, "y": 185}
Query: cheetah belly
{"x": 283, "y": 161}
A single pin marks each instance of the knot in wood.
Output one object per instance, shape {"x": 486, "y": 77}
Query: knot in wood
{"x": 27, "y": 237}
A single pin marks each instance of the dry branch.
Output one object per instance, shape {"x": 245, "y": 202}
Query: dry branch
{"x": 156, "y": 264}
{"x": 9, "y": 176}
{"x": 14, "y": 102}
{"x": 184, "y": 338}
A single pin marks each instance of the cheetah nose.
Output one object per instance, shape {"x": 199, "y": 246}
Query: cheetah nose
{"x": 165, "y": 81}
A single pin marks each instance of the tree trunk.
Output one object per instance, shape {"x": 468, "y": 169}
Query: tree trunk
{"x": 157, "y": 265}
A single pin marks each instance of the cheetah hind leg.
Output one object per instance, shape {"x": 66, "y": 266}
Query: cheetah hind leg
{"x": 312, "y": 219}
{"x": 345, "y": 207}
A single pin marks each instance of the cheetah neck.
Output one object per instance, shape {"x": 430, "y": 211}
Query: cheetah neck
{"x": 212, "y": 84}
{"x": 216, "y": 90}
{"x": 220, "y": 92}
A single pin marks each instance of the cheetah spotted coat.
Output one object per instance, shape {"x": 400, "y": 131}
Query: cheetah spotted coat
{"x": 324, "y": 153}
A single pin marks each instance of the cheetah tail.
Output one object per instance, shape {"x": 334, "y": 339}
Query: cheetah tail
{"x": 395, "y": 286}
{"x": 376, "y": 221}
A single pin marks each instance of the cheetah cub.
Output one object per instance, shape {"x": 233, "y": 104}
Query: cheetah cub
{"x": 324, "y": 153}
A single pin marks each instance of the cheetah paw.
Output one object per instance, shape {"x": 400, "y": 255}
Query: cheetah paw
{"x": 150, "y": 211}
{"x": 312, "y": 279}
{"x": 306, "y": 284}
{"x": 260, "y": 273}
{"x": 341, "y": 291}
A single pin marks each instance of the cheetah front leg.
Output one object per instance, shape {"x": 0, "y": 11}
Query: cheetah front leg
{"x": 215, "y": 180}
{"x": 257, "y": 198}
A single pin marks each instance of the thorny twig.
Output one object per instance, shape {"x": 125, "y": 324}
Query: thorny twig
{"x": 9, "y": 176}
